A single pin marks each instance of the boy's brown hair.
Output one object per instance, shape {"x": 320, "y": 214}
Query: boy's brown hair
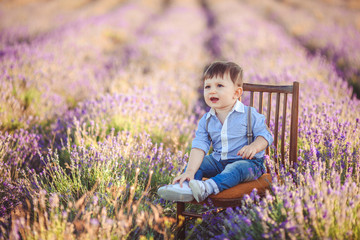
{"x": 219, "y": 69}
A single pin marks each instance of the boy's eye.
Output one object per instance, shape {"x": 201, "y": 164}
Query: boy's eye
{"x": 220, "y": 85}
{"x": 206, "y": 87}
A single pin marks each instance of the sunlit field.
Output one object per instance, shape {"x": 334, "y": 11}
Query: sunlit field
{"x": 100, "y": 101}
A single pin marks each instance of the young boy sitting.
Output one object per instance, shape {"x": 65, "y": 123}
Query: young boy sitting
{"x": 232, "y": 161}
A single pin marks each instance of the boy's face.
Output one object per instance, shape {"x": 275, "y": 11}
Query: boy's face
{"x": 221, "y": 93}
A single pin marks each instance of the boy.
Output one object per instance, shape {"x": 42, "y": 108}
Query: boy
{"x": 232, "y": 161}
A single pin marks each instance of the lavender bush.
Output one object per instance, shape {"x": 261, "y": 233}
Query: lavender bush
{"x": 18, "y": 151}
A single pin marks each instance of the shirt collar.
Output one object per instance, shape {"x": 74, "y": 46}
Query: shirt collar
{"x": 239, "y": 107}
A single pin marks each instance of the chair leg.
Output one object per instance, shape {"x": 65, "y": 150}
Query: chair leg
{"x": 180, "y": 220}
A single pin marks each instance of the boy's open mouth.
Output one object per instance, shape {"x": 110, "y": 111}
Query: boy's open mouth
{"x": 214, "y": 99}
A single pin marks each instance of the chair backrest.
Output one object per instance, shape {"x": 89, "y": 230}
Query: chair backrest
{"x": 281, "y": 92}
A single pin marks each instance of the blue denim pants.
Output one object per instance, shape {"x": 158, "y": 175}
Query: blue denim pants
{"x": 229, "y": 173}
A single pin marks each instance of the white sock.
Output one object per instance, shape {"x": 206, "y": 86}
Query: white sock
{"x": 213, "y": 186}
{"x": 209, "y": 186}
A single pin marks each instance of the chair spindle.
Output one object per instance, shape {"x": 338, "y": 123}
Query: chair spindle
{"x": 251, "y": 99}
{"x": 276, "y": 130}
{"x": 294, "y": 124}
{"x": 261, "y": 102}
{"x": 283, "y": 130}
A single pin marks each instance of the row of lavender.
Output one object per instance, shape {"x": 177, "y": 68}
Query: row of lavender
{"x": 109, "y": 123}
{"x": 326, "y": 202}
{"x": 45, "y": 75}
{"x": 332, "y": 31}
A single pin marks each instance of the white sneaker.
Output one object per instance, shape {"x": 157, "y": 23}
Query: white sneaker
{"x": 176, "y": 193}
{"x": 200, "y": 190}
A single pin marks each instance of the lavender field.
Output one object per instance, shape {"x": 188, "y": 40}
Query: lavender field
{"x": 100, "y": 101}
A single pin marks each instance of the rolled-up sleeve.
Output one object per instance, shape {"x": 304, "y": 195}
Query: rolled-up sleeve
{"x": 201, "y": 140}
{"x": 260, "y": 128}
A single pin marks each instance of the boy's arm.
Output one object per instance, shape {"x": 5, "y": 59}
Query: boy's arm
{"x": 200, "y": 146}
{"x": 195, "y": 160}
{"x": 249, "y": 151}
{"x": 262, "y": 134}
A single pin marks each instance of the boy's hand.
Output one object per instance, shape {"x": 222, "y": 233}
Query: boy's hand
{"x": 247, "y": 152}
{"x": 183, "y": 177}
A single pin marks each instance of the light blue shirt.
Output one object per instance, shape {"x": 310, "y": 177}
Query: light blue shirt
{"x": 230, "y": 137}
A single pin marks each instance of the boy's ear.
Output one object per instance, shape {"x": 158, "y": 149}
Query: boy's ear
{"x": 238, "y": 92}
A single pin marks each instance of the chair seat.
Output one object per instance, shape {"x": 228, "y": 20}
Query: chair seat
{"x": 233, "y": 196}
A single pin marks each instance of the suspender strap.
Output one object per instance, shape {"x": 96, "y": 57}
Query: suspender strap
{"x": 207, "y": 127}
{"x": 249, "y": 128}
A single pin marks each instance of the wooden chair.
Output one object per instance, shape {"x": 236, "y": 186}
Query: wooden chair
{"x": 232, "y": 197}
